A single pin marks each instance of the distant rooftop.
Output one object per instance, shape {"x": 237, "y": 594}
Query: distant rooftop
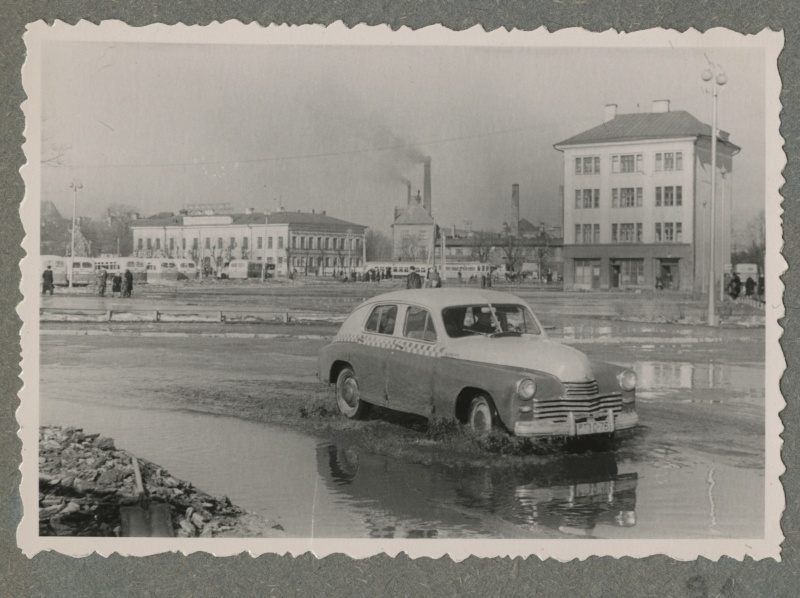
{"x": 316, "y": 220}
{"x": 642, "y": 126}
{"x": 414, "y": 214}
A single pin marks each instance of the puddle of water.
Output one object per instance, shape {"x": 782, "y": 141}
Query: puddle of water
{"x": 669, "y": 375}
{"x": 320, "y": 490}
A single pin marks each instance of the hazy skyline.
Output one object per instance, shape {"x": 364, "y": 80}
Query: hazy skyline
{"x": 159, "y": 126}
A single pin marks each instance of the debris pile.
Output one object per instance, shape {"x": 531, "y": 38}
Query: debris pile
{"x": 84, "y": 480}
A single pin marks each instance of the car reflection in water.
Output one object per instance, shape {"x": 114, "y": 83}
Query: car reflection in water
{"x": 572, "y": 495}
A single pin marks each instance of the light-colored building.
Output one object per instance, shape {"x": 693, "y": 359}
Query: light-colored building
{"x": 636, "y": 201}
{"x": 412, "y": 232}
{"x": 311, "y": 243}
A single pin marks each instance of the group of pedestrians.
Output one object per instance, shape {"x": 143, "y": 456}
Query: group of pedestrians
{"x": 121, "y": 284}
{"x": 415, "y": 280}
{"x": 750, "y": 286}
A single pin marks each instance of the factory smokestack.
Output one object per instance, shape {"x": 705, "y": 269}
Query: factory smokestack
{"x": 426, "y": 197}
{"x": 515, "y": 210}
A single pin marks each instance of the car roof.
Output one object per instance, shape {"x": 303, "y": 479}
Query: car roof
{"x": 445, "y": 297}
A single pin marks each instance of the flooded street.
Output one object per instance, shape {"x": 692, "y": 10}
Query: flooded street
{"x": 693, "y": 470}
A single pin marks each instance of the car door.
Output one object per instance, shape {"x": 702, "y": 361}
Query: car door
{"x": 410, "y": 371}
{"x": 373, "y": 350}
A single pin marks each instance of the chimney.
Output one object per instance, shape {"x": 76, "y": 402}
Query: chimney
{"x": 248, "y": 211}
{"x": 610, "y": 113}
{"x": 660, "y": 106}
{"x": 515, "y": 209}
{"x": 426, "y": 199}
{"x": 408, "y": 203}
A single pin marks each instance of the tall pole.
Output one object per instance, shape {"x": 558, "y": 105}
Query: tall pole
{"x": 74, "y": 185}
{"x": 722, "y": 237}
{"x": 264, "y": 251}
{"x": 716, "y": 81}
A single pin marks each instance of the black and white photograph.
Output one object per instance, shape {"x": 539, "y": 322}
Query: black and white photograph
{"x": 363, "y": 291}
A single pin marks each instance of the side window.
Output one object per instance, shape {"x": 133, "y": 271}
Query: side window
{"x": 382, "y": 319}
{"x": 419, "y": 325}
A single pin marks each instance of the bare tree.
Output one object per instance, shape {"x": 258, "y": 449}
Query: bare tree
{"x": 542, "y": 252}
{"x": 513, "y": 253}
{"x": 378, "y": 246}
{"x": 481, "y": 246}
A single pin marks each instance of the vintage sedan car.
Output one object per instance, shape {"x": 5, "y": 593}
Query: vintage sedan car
{"x": 481, "y": 357}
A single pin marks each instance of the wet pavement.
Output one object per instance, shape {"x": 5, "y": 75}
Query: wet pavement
{"x": 694, "y": 469}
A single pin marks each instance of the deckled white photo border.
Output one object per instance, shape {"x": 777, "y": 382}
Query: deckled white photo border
{"x": 234, "y": 32}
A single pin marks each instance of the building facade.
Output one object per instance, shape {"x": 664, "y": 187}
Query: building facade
{"x": 309, "y": 243}
{"x": 637, "y": 202}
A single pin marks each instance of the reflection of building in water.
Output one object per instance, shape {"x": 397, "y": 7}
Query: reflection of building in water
{"x": 572, "y": 494}
{"x": 657, "y": 375}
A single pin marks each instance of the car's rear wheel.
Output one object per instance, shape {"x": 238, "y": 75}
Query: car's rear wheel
{"x": 481, "y": 414}
{"x": 348, "y": 395}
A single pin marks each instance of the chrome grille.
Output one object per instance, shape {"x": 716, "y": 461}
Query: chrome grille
{"x": 582, "y": 399}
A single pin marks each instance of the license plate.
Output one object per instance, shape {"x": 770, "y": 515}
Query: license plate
{"x": 593, "y": 427}
{"x": 599, "y": 489}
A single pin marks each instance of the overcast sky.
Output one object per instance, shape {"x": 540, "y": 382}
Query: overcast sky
{"x": 159, "y": 126}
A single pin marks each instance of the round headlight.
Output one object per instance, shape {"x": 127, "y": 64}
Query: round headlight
{"x": 526, "y": 388}
{"x": 627, "y": 380}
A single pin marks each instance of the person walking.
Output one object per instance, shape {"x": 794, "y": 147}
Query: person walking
{"x": 483, "y": 281}
{"x": 459, "y": 278}
{"x": 47, "y": 280}
{"x": 735, "y": 286}
{"x": 102, "y": 278}
{"x": 127, "y": 284}
{"x": 414, "y": 280}
{"x": 749, "y": 286}
{"x": 436, "y": 280}
{"x": 116, "y": 285}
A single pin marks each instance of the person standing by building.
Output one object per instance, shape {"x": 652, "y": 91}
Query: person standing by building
{"x": 47, "y": 280}
{"x": 414, "y": 280}
{"x": 116, "y": 285}
{"x": 749, "y": 286}
{"x": 436, "y": 280}
{"x": 102, "y": 278}
{"x": 127, "y": 287}
{"x": 459, "y": 277}
{"x": 483, "y": 280}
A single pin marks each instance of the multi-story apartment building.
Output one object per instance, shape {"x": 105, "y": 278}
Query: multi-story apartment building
{"x": 637, "y": 192}
{"x": 306, "y": 242}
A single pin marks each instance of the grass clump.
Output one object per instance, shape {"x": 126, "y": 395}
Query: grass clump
{"x": 317, "y": 408}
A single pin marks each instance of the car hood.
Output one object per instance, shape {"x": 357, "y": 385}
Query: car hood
{"x": 529, "y": 352}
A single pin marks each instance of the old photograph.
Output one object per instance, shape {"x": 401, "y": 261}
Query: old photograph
{"x": 434, "y": 292}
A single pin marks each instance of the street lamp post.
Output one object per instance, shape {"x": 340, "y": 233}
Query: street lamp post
{"x": 725, "y": 257}
{"x": 74, "y": 185}
{"x": 718, "y": 80}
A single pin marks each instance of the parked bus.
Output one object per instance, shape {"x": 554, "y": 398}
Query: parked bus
{"x": 161, "y": 270}
{"x": 187, "y": 269}
{"x": 240, "y": 269}
{"x": 81, "y": 271}
{"x": 470, "y": 269}
{"x": 59, "y": 267}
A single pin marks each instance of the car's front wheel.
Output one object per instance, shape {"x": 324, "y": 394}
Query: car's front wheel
{"x": 481, "y": 414}
{"x": 348, "y": 395}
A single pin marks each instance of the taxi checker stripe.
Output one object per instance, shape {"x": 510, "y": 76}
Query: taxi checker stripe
{"x": 389, "y": 342}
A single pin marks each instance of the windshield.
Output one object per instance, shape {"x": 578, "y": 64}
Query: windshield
{"x": 494, "y": 319}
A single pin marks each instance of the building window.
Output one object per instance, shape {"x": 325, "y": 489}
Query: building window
{"x": 183, "y": 242}
{"x": 269, "y": 242}
{"x": 219, "y": 242}
{"x": 587, "y": 198}
{"x": 577, "y": 233}
{"x": 672, "y": 196}
{"x": 587, "y": 165}
{"x": 678, "y": 232}
{"x": 294, "y": 242}
{"x": 638, "y": 232}
{"x": 627, "y": 232}
{"x": 578, "y": 195}
{"x": 259, "y": 242}
{"x": 626, "y": 163}
{"x": 587, "y": 233}
{"x": 158, "y": 244}
{"x": 614, "y": 237}
{"x": 195, "y": 243}
{"x": 302, "y": 242}
{"x": 658, "y": 232}
{"x": 678, "y": 195}
{"x": 232, "y": 243}
{"x": 596, "y": 233}
{"x": 658, "y": 197}
{"x": 208, "y": 242}
{"x": 583, "y": 271}
{"x": 626, "y": 197}
{"x": 139, "y": 243}
{"x": 171, "y": 243}
{"x": 245, "y": 243}
{"x": 669, "y": 161}
{"x": 631, "y": 272}
{"x": 669, "y": 232}
{"x": 669, "y": 196}
{"x": 280, "y": 242}
{"x": 327, "y": 242}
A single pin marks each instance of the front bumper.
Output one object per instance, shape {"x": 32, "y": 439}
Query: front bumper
{"x": 611, "y": 423}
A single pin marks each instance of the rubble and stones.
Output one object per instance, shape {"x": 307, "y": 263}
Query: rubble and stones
{"x": 84, "y": 480}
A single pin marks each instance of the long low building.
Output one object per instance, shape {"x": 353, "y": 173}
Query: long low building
{"x": 305, "y": 242}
